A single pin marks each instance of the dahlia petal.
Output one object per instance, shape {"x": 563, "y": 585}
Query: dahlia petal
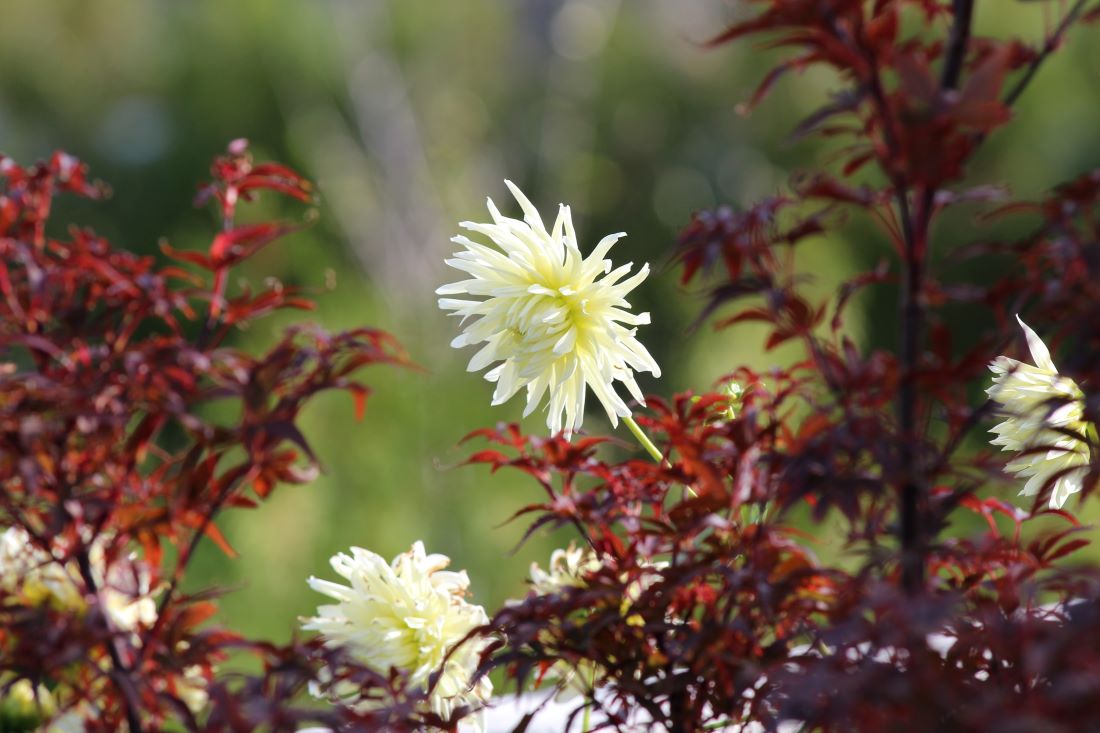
{"x": 530, "y": 213}
{"x": 559, "y": 222}
{"x": 535, "y": 391}
{"x": 604, "y": 246}
{"x": 483, "y": 358}
{"x": 566, "y": 343}
{"x": 1038, "y": 349}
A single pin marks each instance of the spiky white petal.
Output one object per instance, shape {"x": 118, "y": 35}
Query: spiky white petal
{"x": 406, "y": 615}
{"x": 553, "y": 321}
{"x": 1042, "y": 407}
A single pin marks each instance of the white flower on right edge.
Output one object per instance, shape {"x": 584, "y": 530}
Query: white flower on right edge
{"x": 1041, "y": 407}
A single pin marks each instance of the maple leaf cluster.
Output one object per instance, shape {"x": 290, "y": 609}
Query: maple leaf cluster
{"x": 113, "y": 469}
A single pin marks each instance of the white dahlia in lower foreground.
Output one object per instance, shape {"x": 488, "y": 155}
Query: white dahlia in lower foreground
{"x": 406, "y": 615}
{"x": 556, "y": 321}
{"x": 1044, "y": 409}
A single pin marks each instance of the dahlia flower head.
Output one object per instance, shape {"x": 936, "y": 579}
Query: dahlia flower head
{"x": 571, "y": 568}
{"x": 551, "y": 320}
{"x": 32, "y": 576}
{"x": 568, "y": 568}
{"x": 407, "y": 615}
{"x": 1042, "y": 409}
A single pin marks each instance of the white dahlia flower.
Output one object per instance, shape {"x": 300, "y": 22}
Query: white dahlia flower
{"x": 30, "y": 575}
{"x": 407, "y": 615}
{"x": 571, "y": 568}
{"x": 557, "y": 321}
{"x": 40, "y": 704}
{"x": 1042, "y": 407}
{"x": 568, "y": 568}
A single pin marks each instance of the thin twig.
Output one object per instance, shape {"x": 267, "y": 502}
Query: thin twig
{"x": 189, "y": 551}
{"x": 1049, "y": 47}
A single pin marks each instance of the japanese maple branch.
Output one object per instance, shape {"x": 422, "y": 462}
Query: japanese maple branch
{"x": 911, "y": 317}
{"x": 1049, "y": 47}
{"x": 957, "y": 44}
{"x": 217, "y": 302}
{"x": 120, "y": 673}
{"x": 915, "y": 233}
{"x": 911, "y": 313}
{"x": 202, "y": 342}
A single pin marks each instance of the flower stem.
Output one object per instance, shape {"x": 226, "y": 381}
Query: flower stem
{"x": 586, "y": 720}
{"x": 643, "y": 439}
{"x": 651, "y": 449}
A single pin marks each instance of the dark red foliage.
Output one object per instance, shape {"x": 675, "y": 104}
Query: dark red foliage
{"x": 825, "y": 547}
{"x": 939, "y": 606}
{"x": 110, "y": 458}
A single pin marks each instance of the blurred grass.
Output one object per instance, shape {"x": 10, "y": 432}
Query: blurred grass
{"x": 408, "y": 114}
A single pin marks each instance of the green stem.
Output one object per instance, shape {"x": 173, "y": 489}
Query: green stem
{"x": 586, "y": 721}
{"x": 643, "y": 439}
{"x": 651, "y": 449}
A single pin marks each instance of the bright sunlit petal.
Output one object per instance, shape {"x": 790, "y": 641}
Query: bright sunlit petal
{"x": 1041, "y": 407}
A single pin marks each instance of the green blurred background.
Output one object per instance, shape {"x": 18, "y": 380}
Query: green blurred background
{"x": 407, "y": 113}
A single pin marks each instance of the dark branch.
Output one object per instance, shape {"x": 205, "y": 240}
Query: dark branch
{"x": 957, "y": 44}
{"x": 911, "y": 322}
{"x": 910, "y": 529}
{"x": 120, "y": 673}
